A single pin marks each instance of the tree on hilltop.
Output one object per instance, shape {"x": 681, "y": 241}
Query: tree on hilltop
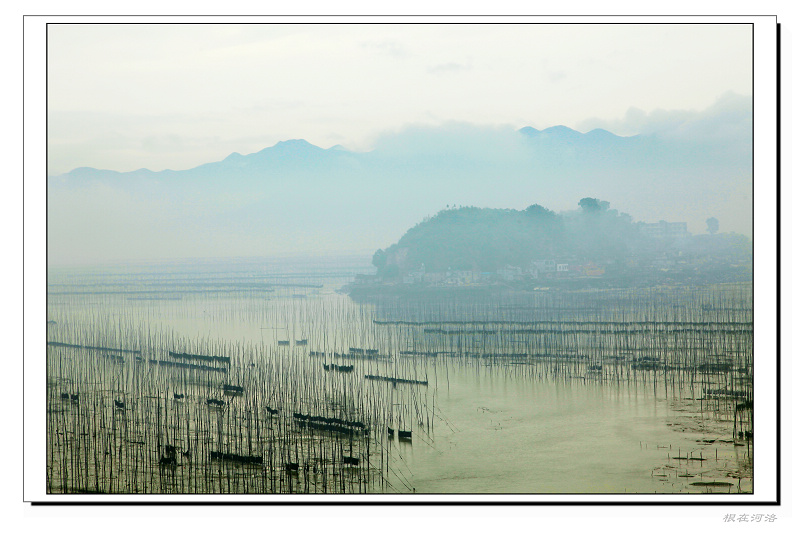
{"x": 593, "y": 205}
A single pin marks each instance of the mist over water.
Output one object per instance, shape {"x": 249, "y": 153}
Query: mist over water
{"x": 573, "y": 392}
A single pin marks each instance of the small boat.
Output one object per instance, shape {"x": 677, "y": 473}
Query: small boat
{"x": 232, "y": 389}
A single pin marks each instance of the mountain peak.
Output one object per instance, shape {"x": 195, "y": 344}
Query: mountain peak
{"x": 561, "y": 132}
{"x": 294, "y": 144}
{"x": 290, "y": 147}
{"x": 600, "y": 133}
{"x": 527, "y": 130}
{"x": 553, "y": 132}
{"x": 89, "y": 172}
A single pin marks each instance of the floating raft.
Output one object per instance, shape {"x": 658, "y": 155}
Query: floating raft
{"x": 646, "y": 324}
{"x": 354, "y": 353}
{"x": 362, "y": 351}
{"x": 338, "y": 368}
{"x": 113, "y": 357}
{"x": 335, "y": 425}
{"x": 443, "y": 331}
{"x": 426, "y": 354}
{"x": 715, "y": 367}
{"x": 725, "y": 392}
{"x": 194, "y": 357}
{"x": 190, "y": 366}
{"x": 396, "y": 380}
{"x": 236, "y": 458}
{"x": 98, "y": 348}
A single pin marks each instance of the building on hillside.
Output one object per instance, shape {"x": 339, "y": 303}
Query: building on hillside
{"x": 543, "y": 266}
{"x": 593, "y": 270}
{"x": 664, "y": 230}
{"x": 435, "y": 278}
{"x": 462, "y": 277}
{"x": 509, "y": 273}
{"x": 416, "y": 276}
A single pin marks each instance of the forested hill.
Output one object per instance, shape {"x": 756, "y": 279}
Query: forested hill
{"x": 479, "y": 239}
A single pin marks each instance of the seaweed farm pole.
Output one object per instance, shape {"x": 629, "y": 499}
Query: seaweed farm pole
{"x": 94, "y": 433}
{"x": 368, "y": 457}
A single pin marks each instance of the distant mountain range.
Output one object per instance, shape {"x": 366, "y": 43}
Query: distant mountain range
{"x": 298, "y": 155}
{"x": 297, "y": 197}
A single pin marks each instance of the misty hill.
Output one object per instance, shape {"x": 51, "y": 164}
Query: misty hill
{"x": 469, "y": 238}
{"x": 295, "y": 197}
{"x": 488, "y": 240}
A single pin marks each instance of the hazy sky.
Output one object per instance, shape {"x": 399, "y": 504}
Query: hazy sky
{"x": 125, "y": 96}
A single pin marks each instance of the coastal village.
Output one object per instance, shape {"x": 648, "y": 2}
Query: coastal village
{"x": 673, "y": 261}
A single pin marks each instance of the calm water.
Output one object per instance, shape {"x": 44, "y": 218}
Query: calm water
{"x": 508, "y": 408}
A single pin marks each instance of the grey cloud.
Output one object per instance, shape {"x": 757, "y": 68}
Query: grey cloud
{"x": 729, "y": 117}
{"x": 451, "y": 138}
